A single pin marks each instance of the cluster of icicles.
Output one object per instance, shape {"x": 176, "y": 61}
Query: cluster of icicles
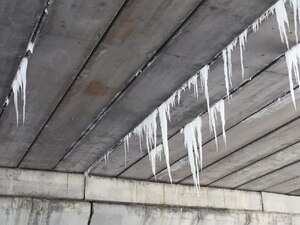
{"x": 193, "y": 131}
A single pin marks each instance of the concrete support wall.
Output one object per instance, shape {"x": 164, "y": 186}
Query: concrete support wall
{"x": 46, "y": 198}
{"x": 27, "y": 211}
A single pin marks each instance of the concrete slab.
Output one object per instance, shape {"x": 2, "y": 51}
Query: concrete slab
{"x": 280, "y": 203}
{"x": 41, "y": 184}
{"x": 136, "y": 192}
{"x": 139, "y": 31}
{"x": 26, "y": 211}
{"x": 178, "y": 61}
{"x": 279, "y": 176}
{"x": 273, "y": 162}
{"x": 125, "y": 215}
{"x": 286, "y": 187}
{"x": 295, "y": 193}
{"x": 63, "y": 47}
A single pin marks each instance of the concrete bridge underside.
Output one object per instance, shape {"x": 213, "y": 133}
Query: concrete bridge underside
{"x": 101, "y": 67}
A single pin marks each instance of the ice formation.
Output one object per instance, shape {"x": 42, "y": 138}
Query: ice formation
{"x": 282, "y": 20}
{"x": 242, "y": 42}
{"x": 19, "y": 82}
{"x": 153, "y": 155}
{"x": 258, "y": 22}
{"x": 193, "y": 142}
{"x": 193, "y": 81}
{"x": 226, "y": 54}
{"x": 126, "y": 146}
{"x": 164, "y": 116}
{"x": 296, "y": 9}
{"x": 292, "y": 57}
{"x": 218, "y": 108}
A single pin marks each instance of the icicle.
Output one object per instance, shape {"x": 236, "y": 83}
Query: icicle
{"x": 292, "y": 58}
{"x": 164, "y": 115}
{"x": 154, "y": 154}
{"x": 193, "y": 81}
{"x": 193, "y": 142}
{"x": 204, "y": 78}
{"x": 126, "y": 145}
{"x": 148, "y": 127}
{"x": 242, "y": 41}
{"x": 219, "y": 107}
{"x": 20, "y": 82}
{"x": 226, "y": 53}
{"x": 282, "y": 21}
{"x": 257, "y": 23}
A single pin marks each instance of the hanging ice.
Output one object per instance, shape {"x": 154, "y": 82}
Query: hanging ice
{"x": 148, "y": 128}
{"x": 193, "y": 142}
{"x": 292, "y": 58}
{"x": 126, "y": 145}
{"x": 257, "y": 23}
{"x": 282, "y": 21}
{"x": 193, "y": 81}
{"x": 226, "y": 53}
{"x": 19, "y": 82}
{"x": 203, "y": 79}
{"x": 154, "y": 154}
{"x": 164, "y": 115}
{"x": 219, "y": 107}
{"x": 242, "y": 41}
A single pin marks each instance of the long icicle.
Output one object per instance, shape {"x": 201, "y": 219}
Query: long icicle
{"x": 292, "y": 57}
{"x": 193, "y": 142}
{"x": 219, "y": 107}
{"x": 242, "y": 42}
{"x": 282, "y": 21}
{"x": 19, "y": 83}
{"x": 154, "y": 154}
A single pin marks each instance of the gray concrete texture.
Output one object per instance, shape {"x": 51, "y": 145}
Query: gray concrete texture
{"x": 35, "y": 198}
{"x": 92, "y": 79}
{"x": 26, "y": 211}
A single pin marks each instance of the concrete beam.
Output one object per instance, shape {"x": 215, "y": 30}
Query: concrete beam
{"x": 55, "y": 185}
{"x": 110, "y": 214}
{"x": 139, "y": 192}
{"x": 280, "y": 203}
{"x": 27, "y": 211}
{"x": 15, "y": 182}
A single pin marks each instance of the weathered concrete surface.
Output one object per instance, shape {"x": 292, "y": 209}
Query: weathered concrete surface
{"x": 273, "y": 162}
{"x": 27, "y": 211}
{"x": 274, "y": 178}
{"x": 109, "y": 214}
{"x": 133, "y": 202}
{"x": 65, "y": 43}
{"x": 178, "y": 61}
{"x": 140, "y": 29}
{"x": 17, "y": 20}
{"x": 280, "y": 203}
{"x": 286, "y": 187}
{"x": 108, "y": 189}
{"x": 39, "y": 183}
